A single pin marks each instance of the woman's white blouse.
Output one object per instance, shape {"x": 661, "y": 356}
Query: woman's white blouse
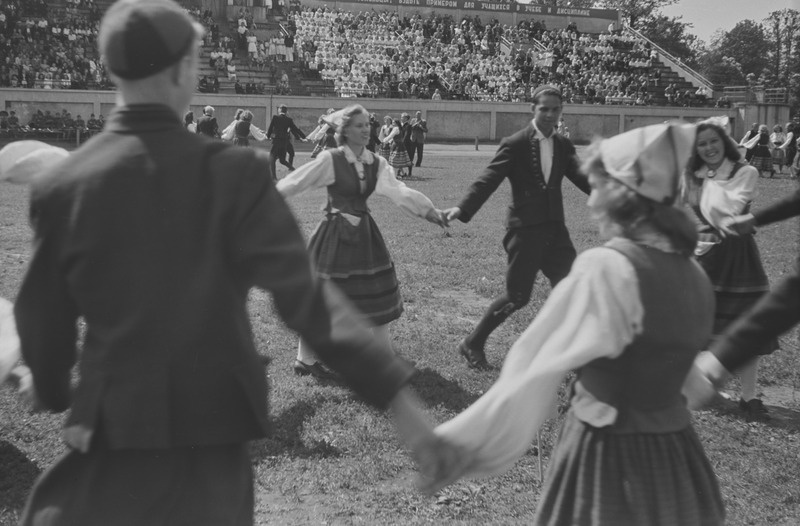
{"x": 595, "y": 312}
{"x": 724, "y": 196}
{"x": 320, "y": 173}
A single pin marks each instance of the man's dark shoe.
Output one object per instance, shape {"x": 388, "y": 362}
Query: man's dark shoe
{"x": 475, "y": 359}
{"x": 317, "y": 370}
{"x": 754, "y": 410}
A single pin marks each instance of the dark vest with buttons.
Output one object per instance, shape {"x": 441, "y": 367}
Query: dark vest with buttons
{"x": 644, "y": 383}
{"x": 345, "y": 193}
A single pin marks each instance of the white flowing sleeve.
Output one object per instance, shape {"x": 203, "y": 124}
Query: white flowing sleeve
{"x": 391, "y": 135}
{"x": 9, "y": 340}
{"x": 595, "y": 312}
{"x": 257, "y": 133}
{"x": 316, "y": 174}
{"x": 227, "y": 133}
{"x": 409, "y": 200}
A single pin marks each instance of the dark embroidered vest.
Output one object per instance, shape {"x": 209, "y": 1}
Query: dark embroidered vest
{"x": 242, "y": 129}
{"x": 644, "y": 384}
{"x": 345, "y": 194}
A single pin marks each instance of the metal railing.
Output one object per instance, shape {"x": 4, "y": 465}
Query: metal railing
{"x": 758, "y": 94}
{"x": 696, "y": 79}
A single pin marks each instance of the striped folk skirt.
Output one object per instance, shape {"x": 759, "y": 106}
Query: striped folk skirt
{"x": 355, "y": 258}
{"x": 385, "y": 150}
{"x": 398, "y": 158}
{"x": 762, "y": 158}
{"x": 600, "y": 478}
{"x": 735, "y": 270}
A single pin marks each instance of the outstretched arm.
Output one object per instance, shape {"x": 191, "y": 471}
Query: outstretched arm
{"x": 409, "y": 200}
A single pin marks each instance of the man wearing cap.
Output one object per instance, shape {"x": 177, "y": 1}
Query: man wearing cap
{"x": 207, "y": 124}
{"x": 535, "y": 160}
{"x": 158, "y": 263}
{"x": 280, "y": 128}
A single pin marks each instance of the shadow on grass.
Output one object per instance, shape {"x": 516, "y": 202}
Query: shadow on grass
{"x": 437, "y": 390}
{"x": 779, "y": 417}
{"x": 16, "y": 477}
{"x": 287, "y": 437}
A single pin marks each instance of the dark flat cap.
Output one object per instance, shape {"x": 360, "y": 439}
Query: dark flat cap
{"x": 139, "y": 38}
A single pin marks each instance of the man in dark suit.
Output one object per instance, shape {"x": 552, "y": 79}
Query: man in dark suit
{"x": 207, "y": 123}
{"x": 280, "y": 128}
{"x": 419, "y": 127}
{"x": 158, "y": 262}
{"x": 774, "y": 314}
{"x": 535, "y": 160}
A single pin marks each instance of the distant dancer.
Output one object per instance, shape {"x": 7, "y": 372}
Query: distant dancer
{"x": 207, "y": 124}
{"x": 280, "y": 130}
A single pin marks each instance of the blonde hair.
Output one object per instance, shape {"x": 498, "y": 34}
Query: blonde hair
{"x": 347, "y": 115}
{"x": 628, "y": 211}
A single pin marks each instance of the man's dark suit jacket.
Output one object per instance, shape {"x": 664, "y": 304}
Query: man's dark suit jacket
{"x": 281, "y": 126}
{"x": 207, "y": 125}
{"x": 154, "y": 236}
{"x": 533, "y": 201}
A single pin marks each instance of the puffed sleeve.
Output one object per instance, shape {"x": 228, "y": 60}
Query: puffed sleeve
{"x": 409, "y": 200}
{"x": 257, "y": 134}
{"x": 595, "y": 312}
{"x": 316, "y": 174}
{"x": 722, "y": 199}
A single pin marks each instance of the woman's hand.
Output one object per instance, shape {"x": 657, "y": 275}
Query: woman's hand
{"x": 437, "y": 217}
{"x": 442, "y": 464}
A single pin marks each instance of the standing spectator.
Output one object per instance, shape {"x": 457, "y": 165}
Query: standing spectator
{"x": 419, "y": 128}
{"x": 280, "y": 130}
{"x": 207, "y": 123}
{"x": 537, "y": 237}
{"x": 776, "y": 139}
{"x": 171, "y": 387}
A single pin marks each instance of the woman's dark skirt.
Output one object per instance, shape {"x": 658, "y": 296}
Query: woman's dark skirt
{"x": 762, "y": 158}
{"x": 398, "y": 158}
{"x": 355, "y": 258}
{"x": 241, "y": 141}
{"x": 384, "y": 150}
{"x": 156, "y": 487}
{"x": 735, "y": 270}
{"x": 600, "y": 478}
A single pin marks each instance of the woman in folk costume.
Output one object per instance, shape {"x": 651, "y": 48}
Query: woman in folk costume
{"x": 398, "y": 155}
{"x": 630, "y": 318}
{"x": 324, "y": 135}
{"x": 385, "y": 147}
{"x": 227, "y": 133}
{"x": 789, "y": 146}
{"x": 20, "y": 161}
{"x": 759, "y": 144}
{"x": 776, "y": 140}
{"x": 719, "y": 186}
{"x": 347, "y": 247}
{"x": 244, "y": 129}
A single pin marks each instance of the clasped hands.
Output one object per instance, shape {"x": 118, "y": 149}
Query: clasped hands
{"x": 738, "y": 225}
{"x": 443, "y": 217}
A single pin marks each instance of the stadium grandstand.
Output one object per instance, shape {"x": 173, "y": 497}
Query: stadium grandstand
{"x": 304, "y": 49}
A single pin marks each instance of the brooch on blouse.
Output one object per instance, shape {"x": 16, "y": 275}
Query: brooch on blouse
{"x": 711, "y": 174}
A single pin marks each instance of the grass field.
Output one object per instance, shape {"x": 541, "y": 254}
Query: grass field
{"x": 333, "y": 460}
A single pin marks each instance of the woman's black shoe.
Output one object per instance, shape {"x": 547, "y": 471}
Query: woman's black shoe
{"x": 317, "y": 370}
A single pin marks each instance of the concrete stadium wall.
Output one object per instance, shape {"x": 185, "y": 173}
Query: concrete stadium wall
{"x": 448, "y": 121}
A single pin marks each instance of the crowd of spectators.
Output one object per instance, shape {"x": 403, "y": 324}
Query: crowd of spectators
{"x": 373, "y": 54}
{"x": 358, "y": 54}
{"x": 47, "y": 50}
{"x": 51, "y": 126}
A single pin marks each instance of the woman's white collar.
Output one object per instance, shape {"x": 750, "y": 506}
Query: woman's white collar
{"x": 366, "y": 156}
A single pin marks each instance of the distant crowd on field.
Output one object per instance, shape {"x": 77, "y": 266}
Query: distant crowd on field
{"x": 46, "y": 125}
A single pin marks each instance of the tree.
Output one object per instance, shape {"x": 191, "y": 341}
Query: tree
{"x": 783, "y": 35}
{"x": 636, "y": 12}
{"x": 747, "y": 45}
{"x": 670, "y": 34}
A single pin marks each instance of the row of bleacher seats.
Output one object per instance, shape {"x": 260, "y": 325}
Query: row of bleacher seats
{"x": 354, "y": 54}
